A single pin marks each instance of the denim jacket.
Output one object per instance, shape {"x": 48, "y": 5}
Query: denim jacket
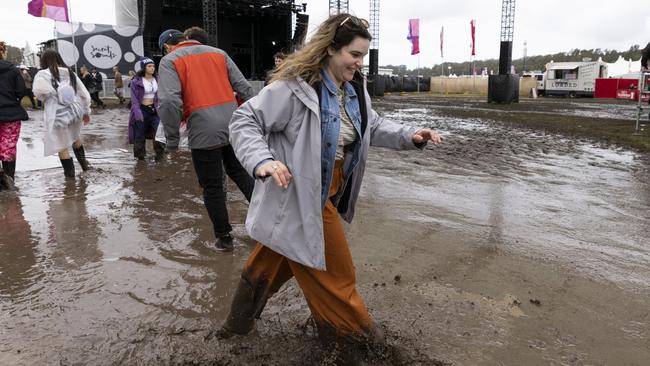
{"x": 330, "y": 125}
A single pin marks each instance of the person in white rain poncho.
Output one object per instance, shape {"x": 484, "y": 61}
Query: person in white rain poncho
{"x": 67, "y": 106}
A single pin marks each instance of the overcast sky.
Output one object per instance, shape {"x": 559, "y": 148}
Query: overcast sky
{"x": 549, "y": 26}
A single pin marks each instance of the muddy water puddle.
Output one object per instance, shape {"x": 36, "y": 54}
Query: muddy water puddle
{"x": 548, "y": 195}
{"x": 117, "y": 266}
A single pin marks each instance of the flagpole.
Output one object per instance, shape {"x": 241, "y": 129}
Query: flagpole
{"x": 474, "y": 72}
{"x": 74, "y": 45}
{"x": 418, "y": 74}
{"x": 56, "y": 37}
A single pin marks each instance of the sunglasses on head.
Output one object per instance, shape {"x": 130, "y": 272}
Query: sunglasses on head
{"x": 356, "y": 21}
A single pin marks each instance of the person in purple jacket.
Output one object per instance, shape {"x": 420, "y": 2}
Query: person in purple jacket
{"x": 143, "y": 119}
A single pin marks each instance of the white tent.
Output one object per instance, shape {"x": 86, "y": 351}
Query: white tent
{"x": 623, "y": 68}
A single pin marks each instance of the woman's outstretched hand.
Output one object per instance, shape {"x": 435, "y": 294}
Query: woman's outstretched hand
{"x": 427, "y": 134}
{"x": 277, "y": 170}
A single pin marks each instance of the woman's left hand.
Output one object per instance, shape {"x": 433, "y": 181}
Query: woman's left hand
{"x": 86, "y": 119}
{"x": 425, "y": 135}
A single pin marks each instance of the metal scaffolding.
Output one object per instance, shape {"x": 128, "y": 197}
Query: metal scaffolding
{"x": 339, "y": 6}
{"x": 507, "y": 20}
{"x": 210, "y": 20}
{"x": 374, "y": 24}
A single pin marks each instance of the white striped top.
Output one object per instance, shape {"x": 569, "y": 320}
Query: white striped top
{"x": 347, "y": 133}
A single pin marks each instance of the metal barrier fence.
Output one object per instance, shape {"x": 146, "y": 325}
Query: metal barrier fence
{"x": 109, "y": 86}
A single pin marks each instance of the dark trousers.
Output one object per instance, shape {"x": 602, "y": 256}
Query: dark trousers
{"x": 208, "y": 165}
{"x": 95, "y": 97}
{"x": 146, "y": 129}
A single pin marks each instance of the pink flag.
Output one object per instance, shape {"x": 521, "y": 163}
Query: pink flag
{"x": 473, "y": 27}
{"x": 414, "y": 35}
{"x": 53, "y": 9}
{"x": 442, "y": 33}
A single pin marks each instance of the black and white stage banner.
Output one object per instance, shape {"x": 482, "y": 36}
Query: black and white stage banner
{"x": 100, "y": 46}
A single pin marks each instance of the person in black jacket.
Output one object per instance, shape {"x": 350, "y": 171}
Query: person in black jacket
{"x": 645, "y": 66}
{"x": 93, "y": 83}
{"x": 645, "y": 58}
{"x": 12, "y": 90}
{"x": 96, "y": 85}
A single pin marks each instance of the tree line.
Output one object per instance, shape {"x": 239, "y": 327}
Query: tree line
{"x": 14, "y": 54}
{"x": 530, "y": 63}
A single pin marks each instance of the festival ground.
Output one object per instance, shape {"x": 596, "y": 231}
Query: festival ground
{"x": 523, "y": 240}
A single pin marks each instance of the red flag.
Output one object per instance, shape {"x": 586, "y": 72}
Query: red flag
{"x": 473, "y": 26}
{"x": 414, "y": 35}
{"x": 442, "y": 33}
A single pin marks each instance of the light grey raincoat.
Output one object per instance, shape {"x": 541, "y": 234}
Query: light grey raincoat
{"x": 283, "y": 123}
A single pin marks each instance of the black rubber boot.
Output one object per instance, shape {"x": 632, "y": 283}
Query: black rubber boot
{"x": 80, "y": 154}
{"x": 139, "y": 150}
{"x": 10, "y": 168}
{"x": 243, "y": 311}
{"x": 159, "y": 149}
{"x": 6, "y": 183}
{"x": 68, "y": 167}
{"x": 224, "y": 243}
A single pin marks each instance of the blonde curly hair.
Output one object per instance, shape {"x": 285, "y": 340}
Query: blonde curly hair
{"x": 335, "y": 32}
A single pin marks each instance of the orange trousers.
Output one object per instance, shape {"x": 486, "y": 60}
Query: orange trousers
{"x": 332, "y": 295}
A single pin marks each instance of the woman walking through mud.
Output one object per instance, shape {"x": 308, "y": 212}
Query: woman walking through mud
{"x": 12, "y": 90}
{"x": 309, "y": 131}
{"x": 143, "y": 119}
{"x": 67, "y": 106}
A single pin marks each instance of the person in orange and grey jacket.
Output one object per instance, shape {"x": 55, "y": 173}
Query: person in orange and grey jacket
{"x": 12, "y": 90}
{"x": 197, "y": 84}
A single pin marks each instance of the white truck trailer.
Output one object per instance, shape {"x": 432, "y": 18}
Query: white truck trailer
{"x": 572, "y": 78}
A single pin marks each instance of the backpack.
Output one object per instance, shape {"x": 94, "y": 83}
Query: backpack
{"x": 68, "y": 110}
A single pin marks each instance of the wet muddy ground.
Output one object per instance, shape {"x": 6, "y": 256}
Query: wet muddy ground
{"x": 505, "y": 246}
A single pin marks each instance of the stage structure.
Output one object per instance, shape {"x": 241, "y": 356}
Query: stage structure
{"x": 376, "y": 85}
{"x": 374, "y": 32}
{"x": 504, "y": 87}
{"x": 210, "y": 20}
{"x": 251, "y": 31}
{"x": 339, "y": 6}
